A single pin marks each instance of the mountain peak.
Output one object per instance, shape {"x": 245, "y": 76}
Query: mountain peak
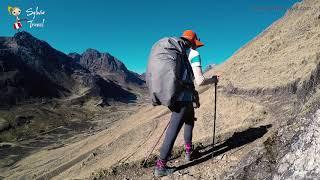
{"x": 92, "y": 51}
{"x": 23, "y": 35}
{"x": 25, "y": 39}
{"x": 106, "y": 66}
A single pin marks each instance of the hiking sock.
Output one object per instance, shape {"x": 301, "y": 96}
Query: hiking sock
{"x": 161, "y": 163}
{"x": 188, "y": 148}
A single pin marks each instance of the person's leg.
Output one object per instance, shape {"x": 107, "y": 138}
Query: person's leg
{"x": 174, "y": 127}
{"x": 189, "y": 124}
{"x": 188, "y": 129}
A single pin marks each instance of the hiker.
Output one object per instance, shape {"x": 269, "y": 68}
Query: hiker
{"x": 173, "y": 64}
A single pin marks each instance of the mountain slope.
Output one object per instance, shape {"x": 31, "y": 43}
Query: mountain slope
{"x": 283, "y": 63}
{"x": 284, "y": 53}
{"x": 31, "y": 68}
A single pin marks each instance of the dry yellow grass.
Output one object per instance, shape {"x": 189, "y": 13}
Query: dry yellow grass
{"x": 283, "y": 53}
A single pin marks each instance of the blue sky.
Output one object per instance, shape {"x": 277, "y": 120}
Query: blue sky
{"x": 128, "y": 28}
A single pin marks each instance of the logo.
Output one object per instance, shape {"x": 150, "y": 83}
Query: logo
{"x": 37, "y": 17}
{"x": 16, "y": 11}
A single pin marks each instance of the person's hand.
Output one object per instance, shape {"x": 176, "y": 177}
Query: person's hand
{"x": 215, "y": 79}
{"x": 196, "y": 99}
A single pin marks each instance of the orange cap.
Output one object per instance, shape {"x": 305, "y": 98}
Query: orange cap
{"x": 192, "y": 37}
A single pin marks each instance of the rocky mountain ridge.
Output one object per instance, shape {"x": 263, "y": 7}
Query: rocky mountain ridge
{"x": 108, "y": 67}
{"x": 31, "y": 68}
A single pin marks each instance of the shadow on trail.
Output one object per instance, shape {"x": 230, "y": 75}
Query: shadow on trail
{"x": 238, "y": 139}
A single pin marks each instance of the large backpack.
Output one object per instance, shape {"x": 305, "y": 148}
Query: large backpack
{"x": 163, "y": 77}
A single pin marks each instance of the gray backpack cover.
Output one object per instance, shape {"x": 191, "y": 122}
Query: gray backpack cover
{"x": 163, "y": 76}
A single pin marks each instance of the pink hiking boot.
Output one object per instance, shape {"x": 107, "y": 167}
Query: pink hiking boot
{"x": 161, "y": 169}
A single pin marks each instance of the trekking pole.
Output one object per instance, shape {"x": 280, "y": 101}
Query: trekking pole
{"x": 215, "y": 113}
{"x": 147, "y": 157}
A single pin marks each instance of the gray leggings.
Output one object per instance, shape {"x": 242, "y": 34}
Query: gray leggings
{"x": 183, "y": 114}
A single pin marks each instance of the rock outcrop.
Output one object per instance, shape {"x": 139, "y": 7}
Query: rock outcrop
{"x": 108, "y": 67}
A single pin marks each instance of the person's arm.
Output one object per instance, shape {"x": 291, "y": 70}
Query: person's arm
{"x": 198, "y": 75}
{"x": 195, "y": 61}
{"x": 200, "y": 79}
